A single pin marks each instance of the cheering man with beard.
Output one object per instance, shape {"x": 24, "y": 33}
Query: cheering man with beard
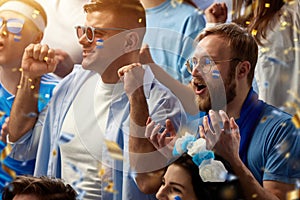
{"x": 265, "y": 151}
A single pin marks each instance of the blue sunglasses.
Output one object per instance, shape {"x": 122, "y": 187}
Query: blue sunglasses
{"x": 13, "y": 25}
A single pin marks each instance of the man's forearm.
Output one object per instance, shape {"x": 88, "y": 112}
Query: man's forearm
{"x": 142, "y": 152}
{"x": 24, "y": 111}
{"x": 183, "y": 92}
{"x": 250, "y": 186}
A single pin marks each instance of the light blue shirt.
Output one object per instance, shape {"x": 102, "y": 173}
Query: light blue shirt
{"x": 162, "y": 105}
{"x": 171, "y": 30}
{"x": 21, "y": 159}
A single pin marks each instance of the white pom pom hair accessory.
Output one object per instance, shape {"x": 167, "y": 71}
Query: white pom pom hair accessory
{"x": 210, "y": 170}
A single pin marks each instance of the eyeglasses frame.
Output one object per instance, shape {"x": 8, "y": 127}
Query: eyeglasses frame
{"x": 95, "y": 29}
{"x": 4, "y": 22}
{"x": 190, "y": 70}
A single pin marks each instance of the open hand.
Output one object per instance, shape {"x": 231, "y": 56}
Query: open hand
{"x": 225, "y": 141}
{"x": 162, "y": 138}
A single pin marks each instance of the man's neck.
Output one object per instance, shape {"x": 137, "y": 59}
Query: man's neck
{"x": 234, "y": 107}
{"x": 151, "y": 3}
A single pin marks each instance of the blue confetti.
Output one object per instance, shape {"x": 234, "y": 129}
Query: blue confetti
{"x": 80, "y": 192}
{"x": 276, "y": 61}
{"x": 65, "y": 138}
{"x": 162, "y": 129}
{"x": 266, "y": 84}
{"x": 32, "y": 115}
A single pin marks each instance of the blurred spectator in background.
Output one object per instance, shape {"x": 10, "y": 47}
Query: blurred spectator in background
{"x": 275, "y": 26}
{"x": 63, "y": 16}
{"x": 171, "y": 25}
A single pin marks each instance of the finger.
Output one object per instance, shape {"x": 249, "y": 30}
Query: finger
{"x": 50, "y": 53}
{"x": 148, "y": 120}
{"x": 149, "y": 129}
{"x": 225, "y": 120}
{"x": 201, "y": 132}
{"x": 224, "y": 8}
{"x": 29, "y": 51}
{"x": 51, "y": 62}
{"x": 153, "y": 136}
{"x": 37, "y": 51}
{"x": 215, "y": 122}
{"x": 208, "y": 134}
{"x": 161, "y": 139}
{"x": 206, "y": 126}
{"x": 156, "y": 130}
{"x": 155, "y": 141}
{"x": 125, "y": 69}
{"x": 121, "y": 72}
{"x": 43, "y": 52}
{"x": 234, "y": 127}
{"x": 170, "y": 128}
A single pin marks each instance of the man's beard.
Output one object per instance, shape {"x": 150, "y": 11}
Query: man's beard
{"x": 205, "y": 104}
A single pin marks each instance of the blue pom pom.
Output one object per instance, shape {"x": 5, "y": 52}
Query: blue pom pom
{"x": 185, "y": 140}
{"x": 175, "y": 152}
{"x": 203, "y": 155}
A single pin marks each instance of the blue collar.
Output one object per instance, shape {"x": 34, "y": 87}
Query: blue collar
{"x": 250, "y": 116}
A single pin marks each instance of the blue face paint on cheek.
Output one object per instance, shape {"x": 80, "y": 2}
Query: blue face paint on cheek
{"x": 99, "y": 43}
{"x": 17, "y": 37}
{"x": 177, "y": 198}
{"x": 215, "y": 74}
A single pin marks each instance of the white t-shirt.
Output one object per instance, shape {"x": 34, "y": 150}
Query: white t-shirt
{"x": 85, "y": 125}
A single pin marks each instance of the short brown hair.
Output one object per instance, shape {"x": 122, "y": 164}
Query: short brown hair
{"x": 44, "y": 188}
{"x": 242, "y": 44}
{"x": 124, "y": 8}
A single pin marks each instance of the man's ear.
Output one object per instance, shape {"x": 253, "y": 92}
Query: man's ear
{"x": 243, "y": 69}
{"x": 132, "y": 41}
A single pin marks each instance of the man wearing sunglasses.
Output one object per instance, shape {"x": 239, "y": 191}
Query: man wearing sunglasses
{"x": 89, "y": 115}
{"x": 22, "y": 22}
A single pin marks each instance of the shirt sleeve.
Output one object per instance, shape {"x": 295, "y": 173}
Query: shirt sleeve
{"x": 28, "y": 143}
{"x": 283, "y": 156}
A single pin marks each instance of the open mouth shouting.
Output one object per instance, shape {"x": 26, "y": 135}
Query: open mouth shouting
{"x": 199, "y": 86}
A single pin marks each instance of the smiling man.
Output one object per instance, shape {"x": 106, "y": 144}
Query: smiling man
{"x": 22, "y": 22}
{"x": 91, "y": 109}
